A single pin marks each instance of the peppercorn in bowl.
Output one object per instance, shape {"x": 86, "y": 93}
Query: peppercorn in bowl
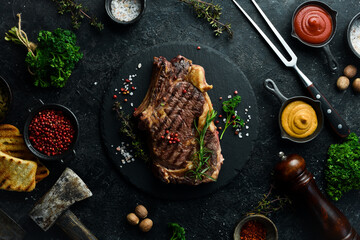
{"x": 5, "y": 99}
{"x": 51, "y": 132}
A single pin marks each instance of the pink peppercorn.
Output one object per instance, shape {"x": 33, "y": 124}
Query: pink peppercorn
{"x": 51, "y": 132}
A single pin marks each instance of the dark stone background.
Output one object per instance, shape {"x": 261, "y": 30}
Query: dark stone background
{"x": 211, "y": 217}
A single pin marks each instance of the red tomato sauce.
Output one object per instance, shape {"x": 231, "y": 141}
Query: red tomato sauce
{"x": 313, "y": 24}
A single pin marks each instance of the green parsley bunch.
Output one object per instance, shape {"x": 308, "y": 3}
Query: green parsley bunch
{"x": 343, "y": 167}
{"x": 53, "y": 59}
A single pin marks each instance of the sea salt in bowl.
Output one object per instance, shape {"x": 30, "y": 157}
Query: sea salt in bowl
{"x": 125, "y": 11}
{"x": 353, "y": 35}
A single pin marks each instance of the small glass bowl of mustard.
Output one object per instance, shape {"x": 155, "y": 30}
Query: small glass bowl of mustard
{"x": 5, "y": 99}
{"x": 300, "y": 118}
{"x": 125, "y": 12}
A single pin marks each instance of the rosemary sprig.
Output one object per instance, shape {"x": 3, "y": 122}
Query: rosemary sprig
{"x": 127, "y": 128}
{"x": 202, "y": 156}
{"x": 211, "y": 12}
{"x": 78, "y": 12}
{"x": 270, "y": 204}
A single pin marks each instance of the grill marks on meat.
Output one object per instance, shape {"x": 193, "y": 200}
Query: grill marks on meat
{"x": 175, "y": 99}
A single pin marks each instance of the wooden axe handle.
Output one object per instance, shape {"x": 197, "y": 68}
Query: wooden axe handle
{"x": 73, "y": 227}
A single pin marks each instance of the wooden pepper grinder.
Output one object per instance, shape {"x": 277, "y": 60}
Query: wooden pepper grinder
{"x": 292, "y": 175}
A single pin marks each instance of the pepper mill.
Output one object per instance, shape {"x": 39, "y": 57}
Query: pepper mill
{"x": 292, "y": 175}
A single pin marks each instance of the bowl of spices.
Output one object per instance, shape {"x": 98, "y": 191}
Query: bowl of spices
{"x": 5, "y": 98}
{"x": 125, "y": 11}
{"x": 353, "y": 35}
{"x": 51, "y": 132}
{"x": 256, "y": 227}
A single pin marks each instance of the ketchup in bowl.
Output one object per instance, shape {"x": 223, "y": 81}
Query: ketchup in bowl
{"x": 313, "y": 24}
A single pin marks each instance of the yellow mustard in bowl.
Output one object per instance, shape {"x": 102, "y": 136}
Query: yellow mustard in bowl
{"x": 299, "y": 119}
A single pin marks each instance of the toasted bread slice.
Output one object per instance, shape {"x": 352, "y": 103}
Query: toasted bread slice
{"x": 17, "y": 174}
{"x": 12, "y": 143}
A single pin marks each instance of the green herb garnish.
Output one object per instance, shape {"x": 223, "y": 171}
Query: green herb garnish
{"x": 78, "y": 12}
{"x": 52, "y": 61}
{"x": 343, "y": 167}
{"x": 211, "y": 12}
{"x": 231, "y": 118}
{"x": 178, "y": 232}
{"x": 270, "y": 203}
{"x": 127, "y": 128}
{"x": 202, "y": 156}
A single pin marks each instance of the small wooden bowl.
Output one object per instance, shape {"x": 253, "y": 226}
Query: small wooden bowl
{"x": 271, "y": 230}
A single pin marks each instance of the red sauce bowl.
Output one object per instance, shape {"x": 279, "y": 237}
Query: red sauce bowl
{"x": 62, "y": 113}
{"x": 327, "y": 17}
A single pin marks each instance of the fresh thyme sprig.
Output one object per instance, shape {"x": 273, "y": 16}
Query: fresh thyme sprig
{"x": 202, "y": 156}
{"x": 211, "y": 12}
{"x": 270, "y": 204}
{"x": 127, "y": 128}
{"x": 232, "y": 118}
{"x": 78, "y": 12}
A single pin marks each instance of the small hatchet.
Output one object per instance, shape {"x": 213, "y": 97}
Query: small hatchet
{"x": 53, "y": 206}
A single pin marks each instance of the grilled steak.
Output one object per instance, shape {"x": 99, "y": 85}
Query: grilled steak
{"x": 175, "y": 100}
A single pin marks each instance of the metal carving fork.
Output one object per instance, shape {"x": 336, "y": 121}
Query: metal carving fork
{"x": 336, "y": 122}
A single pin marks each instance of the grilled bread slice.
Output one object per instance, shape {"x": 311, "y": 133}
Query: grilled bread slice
{"x": 17, "y": 174}
{"x": 12, "y": 143}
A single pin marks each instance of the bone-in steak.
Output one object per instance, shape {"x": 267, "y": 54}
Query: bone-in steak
{"x": 176, "y": 99}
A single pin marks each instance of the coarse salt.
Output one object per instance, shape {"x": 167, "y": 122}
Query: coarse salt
{"x": 125, "y": 10}
{"x": 355, "y": 35}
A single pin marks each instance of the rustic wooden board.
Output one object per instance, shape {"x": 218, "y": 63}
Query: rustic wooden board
{"x": 224, "y": 75}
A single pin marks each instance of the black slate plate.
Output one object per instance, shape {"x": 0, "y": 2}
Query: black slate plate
{"x": 224, "y": 75}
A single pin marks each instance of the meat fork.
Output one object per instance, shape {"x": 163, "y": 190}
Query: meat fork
{"x": 336, "y": 122}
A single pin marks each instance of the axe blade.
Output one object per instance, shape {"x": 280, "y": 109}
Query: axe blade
{"x": 67, "y": 190}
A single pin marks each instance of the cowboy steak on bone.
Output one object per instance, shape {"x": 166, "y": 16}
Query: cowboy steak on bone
{"x": 177, "y": 99}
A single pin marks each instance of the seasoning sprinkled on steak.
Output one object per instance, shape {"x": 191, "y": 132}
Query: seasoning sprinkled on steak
{"x": 176, "y": 99}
